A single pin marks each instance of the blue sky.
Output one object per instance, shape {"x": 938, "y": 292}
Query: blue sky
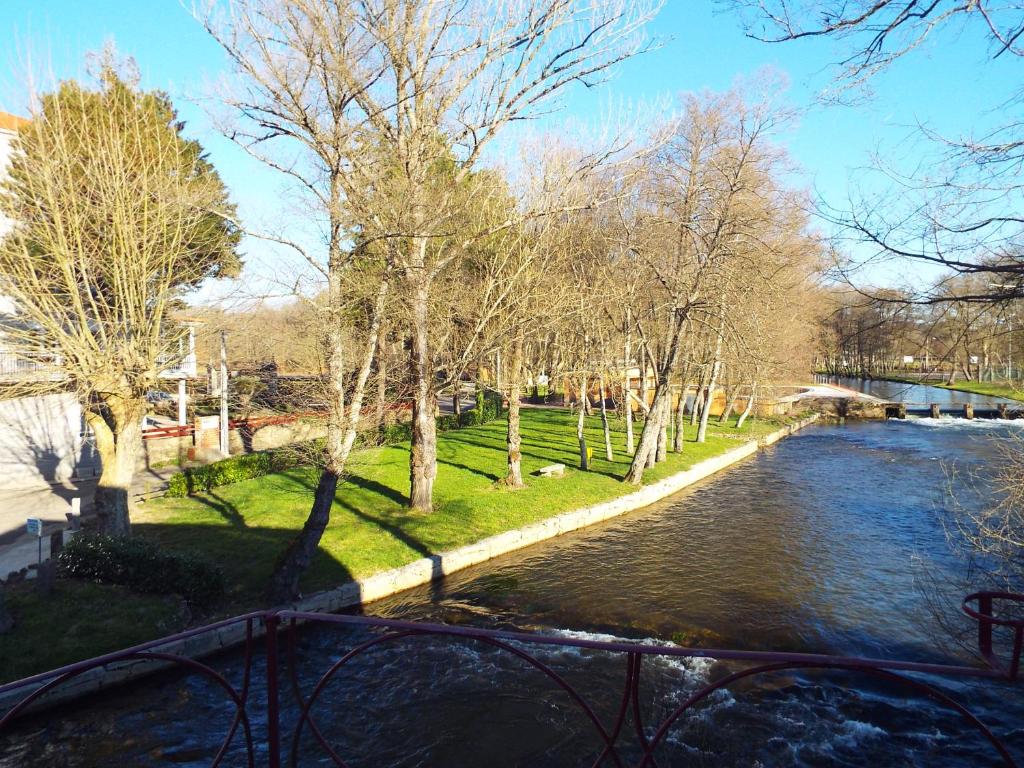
{"x": 949, "y": 85}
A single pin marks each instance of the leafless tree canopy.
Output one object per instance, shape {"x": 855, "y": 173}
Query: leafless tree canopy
{"x": 116, "y": 216}
{"x": 961, "y": 208}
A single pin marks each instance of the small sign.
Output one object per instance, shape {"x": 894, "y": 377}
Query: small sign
{"x": 76, "y": 506}
{"x": 908, "y": 359}
{"x": 35, "y": 526}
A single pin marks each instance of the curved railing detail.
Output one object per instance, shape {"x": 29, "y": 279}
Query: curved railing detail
{"x": 993, "y": 612}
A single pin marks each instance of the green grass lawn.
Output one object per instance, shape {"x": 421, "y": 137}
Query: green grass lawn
{"x": 80, "y": 620}
{"x": 990, "y": 388}
{"x": 245, "y": 526}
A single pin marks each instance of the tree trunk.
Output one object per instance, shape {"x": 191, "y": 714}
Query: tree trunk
{"x": 625, "y": 384}
{"x": 649, "y": 435}
{"x": 643, "y": 380}
{"x": 514, "y": 473}
{"x": 730, "y": 399}
{"x": 698, "y": 400}
{"x": 709, "y": 399}
{"x": 118, "y": 439}
{"x": 666, "y": 406}
{"x": 604, "y": 422}
{"x": 380, "y": 415}
{"x": 342, "y": 428}
{"x": 457, "y": 402}
{"x": 584, "y": 464}
{"x": 677, "y": 438}
{"x": 750, "y": 406}
{"x": 423, "y": 453}
{"x": 295, "y": 560}
{"x": 648, "y": 440}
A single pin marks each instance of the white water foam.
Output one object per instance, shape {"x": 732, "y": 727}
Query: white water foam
{"x": 960, "y": 423}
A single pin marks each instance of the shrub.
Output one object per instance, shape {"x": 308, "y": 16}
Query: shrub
{"x": 231, "y": 470}
{"x": 142, "y": 566}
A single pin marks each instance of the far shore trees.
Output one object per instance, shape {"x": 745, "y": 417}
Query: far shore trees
{"x": 709, "y": 223}
{"x": 116, "y": 215}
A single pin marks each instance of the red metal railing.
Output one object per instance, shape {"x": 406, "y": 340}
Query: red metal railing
{"x": 981, "y": 606}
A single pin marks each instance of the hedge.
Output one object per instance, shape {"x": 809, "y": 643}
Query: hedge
{"x": 230, "y": 470}
{"x": 246, "y": 466}
{"x": 142, "y": 566}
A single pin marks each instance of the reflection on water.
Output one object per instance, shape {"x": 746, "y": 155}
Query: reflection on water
{"x": 915, "y": 394}
{"x": 817, "y": 544}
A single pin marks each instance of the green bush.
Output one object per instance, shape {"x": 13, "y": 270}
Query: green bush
{"x": 142, "y": 566}
{"x": 231, "y": 470}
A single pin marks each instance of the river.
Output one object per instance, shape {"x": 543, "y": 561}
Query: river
{"x": 822, "y": 543}
{"x": 915, "y": 394}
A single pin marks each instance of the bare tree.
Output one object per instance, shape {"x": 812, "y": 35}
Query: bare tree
{"x": 416, "y": 90}
{"x": 959, "y": 208}
{"x": 116, "y": 217}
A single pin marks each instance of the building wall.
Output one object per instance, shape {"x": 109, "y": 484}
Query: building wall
{"x": 42, "y": 441}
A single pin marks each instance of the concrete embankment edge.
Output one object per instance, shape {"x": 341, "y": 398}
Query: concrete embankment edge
{"x": 414, "y": 574}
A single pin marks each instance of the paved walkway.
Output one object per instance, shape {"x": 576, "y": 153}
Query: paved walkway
{"x": 51, "y": 503}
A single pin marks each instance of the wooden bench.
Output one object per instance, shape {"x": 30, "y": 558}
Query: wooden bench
{"x": 552, "y": 470}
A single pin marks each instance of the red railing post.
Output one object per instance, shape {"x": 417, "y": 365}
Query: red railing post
{"x": 985, "y": 627}
{"x": 273, "y": 714}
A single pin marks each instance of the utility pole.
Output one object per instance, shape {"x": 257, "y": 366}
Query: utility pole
{"x": 225, "y": 444}
{"x": 182, "y": 403}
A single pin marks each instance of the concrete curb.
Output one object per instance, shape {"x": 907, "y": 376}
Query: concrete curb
{"x": 414, "y": 574}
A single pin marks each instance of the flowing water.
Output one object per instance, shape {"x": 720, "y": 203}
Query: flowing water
{"x": 825, "y": 542}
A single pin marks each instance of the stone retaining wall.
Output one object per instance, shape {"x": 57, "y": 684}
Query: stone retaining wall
{"x": 414, "y": 574}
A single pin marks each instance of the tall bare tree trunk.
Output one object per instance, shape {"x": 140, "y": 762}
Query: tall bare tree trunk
{"x": 647, "y": 449}
{"x": 649, "y": 436}
{"x": 423, "y": 453}
{"x": 643, "y": 379}
{"x": 709, "y": 398}
{"x": 698, "y": 399}
{"x": 750, "y": 406}
{"x": 677, "y": 438}
{"x": 626, "y": 362}
{"x": 514, "y": 473}
{"x": 666, "y": 407}
{"x": 380, "y": 411}
{"x": 117, "y": 430}
{"x": 580, "y": 421}
{"x": 604, "y": 421}
{"x": 730, "y": 400}
{"x": 342, "y": 428}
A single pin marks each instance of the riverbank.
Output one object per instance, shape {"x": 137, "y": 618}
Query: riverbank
{"x": 989, "y": 388}
{"x": 424, "y": 569}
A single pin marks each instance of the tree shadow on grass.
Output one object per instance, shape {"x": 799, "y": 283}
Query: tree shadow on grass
{"x": 223, "y": 507}
{"x": 372, "y": 486}
{"x": 246, "y": 555}
{"x": 566, "y": 456}
{"x": 488, "y": 475}
{"x": 390, "y": 524}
